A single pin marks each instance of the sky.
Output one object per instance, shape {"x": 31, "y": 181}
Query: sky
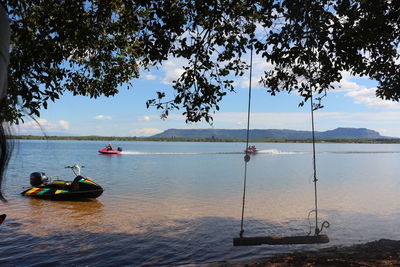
{"x": 352, "y": 104}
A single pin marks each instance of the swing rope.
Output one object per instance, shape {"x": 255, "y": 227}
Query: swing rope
{"x": 325, "y": 223}
{"x": 247, "y": 156}
{"x": 310, "y": 82}
{"x": 314, "y": 165}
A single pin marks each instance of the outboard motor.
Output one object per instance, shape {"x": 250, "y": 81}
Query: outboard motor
{"x": 38, "y": 178}
{"x": 119, "y": 148}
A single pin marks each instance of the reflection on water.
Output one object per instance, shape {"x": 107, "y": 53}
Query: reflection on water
{"x": 180, "y": 203}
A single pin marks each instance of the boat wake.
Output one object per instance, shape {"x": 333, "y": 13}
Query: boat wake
{"x": 267, "y": 151}
{"x": 278, "y": 152}
{"x": 174, "y": 153}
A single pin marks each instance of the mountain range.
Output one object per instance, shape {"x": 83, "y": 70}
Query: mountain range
{"x": 345, "y": 133}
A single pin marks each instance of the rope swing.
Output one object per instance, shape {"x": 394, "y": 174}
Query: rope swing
{"x": 280, "y": 240}
{"x": 247, "y": 156}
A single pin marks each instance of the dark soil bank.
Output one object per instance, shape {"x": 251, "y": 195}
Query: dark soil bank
{"x": 383, "y": 252}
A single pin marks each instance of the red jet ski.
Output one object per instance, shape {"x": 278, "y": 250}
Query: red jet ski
{"x": 251, "y": 150}
{"x": 110, "y": 150}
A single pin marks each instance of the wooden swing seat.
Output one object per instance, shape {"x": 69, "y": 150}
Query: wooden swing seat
{"x": 280, "y": 240}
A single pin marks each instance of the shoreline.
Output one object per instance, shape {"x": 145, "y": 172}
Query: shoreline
{"x": 224, "y": 140}
{"x": 383, "y": 252}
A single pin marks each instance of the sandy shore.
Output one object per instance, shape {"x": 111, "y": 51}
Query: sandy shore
{"x": 383, "y": 252}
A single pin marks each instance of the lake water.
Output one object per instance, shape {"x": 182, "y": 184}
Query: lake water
{"x": 180, "y": 203}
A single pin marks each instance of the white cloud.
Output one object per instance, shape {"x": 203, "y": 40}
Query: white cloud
{"x": 234, "y": 120}
{"x": 35, "y": 125}
{"x": 362, "y": 95}
{"x": 377, "y": 118}
{"x": 64, "y": 124}
{"x": 260, "y": 65}
{"x": 173, "y": 69}
{"x": 240, "y": 124}
{"x": 255, "y": 82}
{"x": 145, "y": 132}
{"x": 150, "y": 77}
{"x": 346, "y": 84}
{"x": 145, "y": 118}
{"x": 366, "y": 96}
{"x": 102, "y": 117}
{"x": 41, "y": 126}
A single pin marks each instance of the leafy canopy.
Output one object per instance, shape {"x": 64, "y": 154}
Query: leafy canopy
{"x": 92, "y": 47}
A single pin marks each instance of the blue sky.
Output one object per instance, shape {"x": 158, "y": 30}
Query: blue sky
{"x": 351, "y": 104}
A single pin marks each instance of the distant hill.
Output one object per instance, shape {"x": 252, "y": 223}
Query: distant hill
{"x": 270, "y": 133}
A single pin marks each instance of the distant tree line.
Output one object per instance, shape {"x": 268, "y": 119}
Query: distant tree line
{"x": 210, "y": 139}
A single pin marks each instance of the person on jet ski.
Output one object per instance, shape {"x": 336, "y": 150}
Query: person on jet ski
{"x": 109, "y": 147}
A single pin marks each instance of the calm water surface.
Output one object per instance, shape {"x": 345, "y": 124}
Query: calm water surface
{"x": 180, "y": 203}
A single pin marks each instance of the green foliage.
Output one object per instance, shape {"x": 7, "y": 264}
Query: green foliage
{"x": 92, "y": 47}
{"x": 85, "y": 47}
